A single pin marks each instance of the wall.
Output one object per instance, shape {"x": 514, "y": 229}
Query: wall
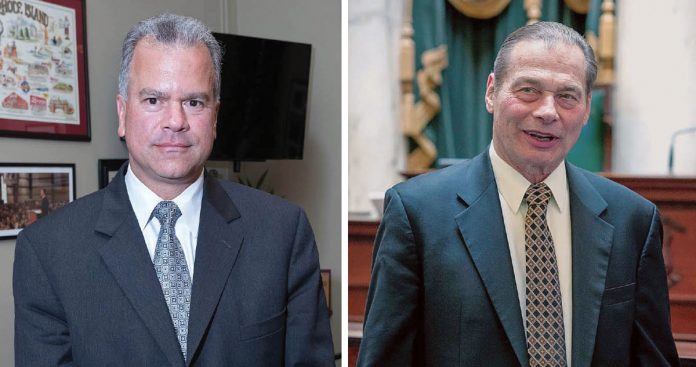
{"x": 315, "y": 181}
{"x": 655, "y": 85}
{"x": 107, "y": 23}
{"x": 376, "y": 146}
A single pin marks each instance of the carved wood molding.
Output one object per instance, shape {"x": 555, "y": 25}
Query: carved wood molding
{"x": 606, "y": 45}
{"x": 480, "y": 9}
{"x": 578, "y": 6}
{"x": 416, "y": 116}
{"x": 533, "y": 8}
{"x": 419, "y": 115}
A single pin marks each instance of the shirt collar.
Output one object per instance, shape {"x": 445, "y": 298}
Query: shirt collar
{"x": 512, "y": 185}
{"x": 143, "y": 200}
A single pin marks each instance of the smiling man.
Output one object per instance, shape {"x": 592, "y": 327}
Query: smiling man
{"x": 516, "y": 257}
{"x": 168, "y": 266}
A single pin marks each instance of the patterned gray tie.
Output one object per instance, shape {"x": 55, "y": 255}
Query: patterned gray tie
{"x": 172, "y": 272}
{"x": 545, "y": 329}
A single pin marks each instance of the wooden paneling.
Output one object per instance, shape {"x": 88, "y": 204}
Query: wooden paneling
{"x": 674, "y": 196}
{"x": 676, "y": 199}
{"x": 361, "y": 236}
{"x": 354, "y": 339}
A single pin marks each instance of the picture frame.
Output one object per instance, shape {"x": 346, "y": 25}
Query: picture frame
{"x": 44, "y": 92}
{"x": 326, "y": 284}
{"x": 29, "y": 191}
{"x": 107, "y": 169}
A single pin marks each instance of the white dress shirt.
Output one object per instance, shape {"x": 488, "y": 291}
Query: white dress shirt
{"x": 144, "y": 201}
{"x": 511, "y": 189}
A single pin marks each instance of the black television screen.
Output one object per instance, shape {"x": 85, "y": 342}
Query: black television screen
{"x": 263, "y": 99}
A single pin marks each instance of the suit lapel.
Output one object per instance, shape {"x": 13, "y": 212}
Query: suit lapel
{"x": 125, "y": 255}
{"x": 592, "y": 240}
{"x": 220, "y": 236}
{"x": 483, "y": 230}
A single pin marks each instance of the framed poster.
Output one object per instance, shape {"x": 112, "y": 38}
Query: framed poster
{"x": 43, "y": 70}
{"x": 326, "y": 284}
{"x": 108, "y": 168}
{"x": 31, "y": 191}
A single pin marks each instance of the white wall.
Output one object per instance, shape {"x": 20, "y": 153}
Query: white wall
{"x": 655, "y": 85}
{"x": 6, "y": 303}
{"x": 376, "y": 145}
{"x": 315, "y": 181}
{"x": 107, "y": 24}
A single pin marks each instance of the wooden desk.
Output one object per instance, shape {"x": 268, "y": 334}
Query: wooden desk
{"x": 676, "y": 199}
{"x": 674, "y": 196}
{"x": 361, "y": 236}
{"x": 686, "y": 345}
{"x": 354, "y": 339}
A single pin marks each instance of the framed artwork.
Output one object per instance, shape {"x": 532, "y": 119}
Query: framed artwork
{"x": 43, "y": 70}
{"x": 221, "y": 170}
{"x": 29, "y": 191}
{"x": 326, "y": 284}
{"x": 108, "y": 168}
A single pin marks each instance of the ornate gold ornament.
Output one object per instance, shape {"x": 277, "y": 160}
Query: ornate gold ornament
{"x": 421, "y": 113}
{"x": 480, "y": 9}
{"x": 416, "y": 116}
{"x": 533, "y": 8}
{"x": 578, "y": 6}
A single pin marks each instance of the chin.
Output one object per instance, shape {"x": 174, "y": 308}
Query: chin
{"x": 540, "y": 160}
{"x": 177, "y": 173}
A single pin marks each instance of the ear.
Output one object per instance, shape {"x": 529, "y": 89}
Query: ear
{"x": 121, "y": 110}
{"x": 490, "y": 92}
{"x": 589, "y": 108}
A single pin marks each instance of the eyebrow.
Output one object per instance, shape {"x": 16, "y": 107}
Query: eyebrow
{"x": 150, "y": 92}
{"x": 572, "y": 89}
{"x": 533, "y": 82}
{"x": 197, "y": 95}
{"x": 537, "y": 84}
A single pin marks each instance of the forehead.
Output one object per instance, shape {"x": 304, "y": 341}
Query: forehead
{"x": 149, "y": 51}
{"x": 535, "y": 59}
{"x": 156, "y": 62}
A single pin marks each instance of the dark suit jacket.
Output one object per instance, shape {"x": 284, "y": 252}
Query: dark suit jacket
{"x": 44, "y": 207}
{"x": 443, "y": 290}
{"x": 86, "y": 292}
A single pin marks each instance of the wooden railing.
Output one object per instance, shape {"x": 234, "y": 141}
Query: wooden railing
{"x": 676, "y": 200}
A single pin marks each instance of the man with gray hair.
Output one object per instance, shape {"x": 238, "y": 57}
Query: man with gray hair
{"x": 517, "y": 257}
{"x": 109, "y": 279}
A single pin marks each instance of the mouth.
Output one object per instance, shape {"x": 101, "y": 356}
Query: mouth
{"x": 543, "y": 137}
{"x": 172, "y": 146}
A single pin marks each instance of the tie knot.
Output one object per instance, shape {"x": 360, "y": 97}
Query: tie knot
{"x": 538, "y": 194}
{"x": 167, "y": 212}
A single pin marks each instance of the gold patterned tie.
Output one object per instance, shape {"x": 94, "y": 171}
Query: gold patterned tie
{"x": 545, "y": 330}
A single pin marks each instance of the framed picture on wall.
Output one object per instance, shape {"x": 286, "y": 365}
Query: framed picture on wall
{"x": 29, "y": 191}
{"x": 108, "y": 168}
{"x": 43, "y": 70}
{"x": 326, "y": 284}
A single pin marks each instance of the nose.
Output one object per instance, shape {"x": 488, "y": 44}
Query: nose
{"x": 546, "y": 111}
{"x": 177, "y": 119}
